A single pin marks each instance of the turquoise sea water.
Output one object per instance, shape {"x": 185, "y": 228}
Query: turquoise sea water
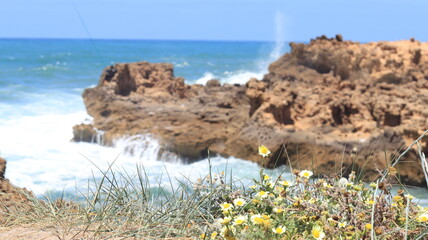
{"x": 41, "y": 81}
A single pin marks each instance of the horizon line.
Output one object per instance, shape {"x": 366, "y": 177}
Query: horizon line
{"x": 144, "y": 39}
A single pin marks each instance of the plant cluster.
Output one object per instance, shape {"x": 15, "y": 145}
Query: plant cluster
{"x": 325, "y": 208}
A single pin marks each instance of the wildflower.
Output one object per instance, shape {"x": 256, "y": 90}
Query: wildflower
{"x": 358, "y": 188}
{"x": 264, "y": 151}
{"x": 342, "y": 224}
{"x": 326, "y": 185}
{"x": 266, "y": 177}
{"x": 214, "y": 235}
{"x": 262, "y": 194}
{"x": 257, "y": 219}
{"x": 408, "y": 196}
{"x": 225, "y": 220}
{"x": 278, "y": 210}
{"x": 397, "y": 199}
{"x": 368, "y": 227}
{"x": 278, "y": 230}
{"x": 285, "y": 183}
{"x": 279, "y": 189}
{"x": 317, "y": 233}
{"x": 202, "y": 236}
{"x": 423, "y": 217}
{"x": 226, "y": 207}
{"x": 253, "y": 187}
{"x": 312, "y": 201}
{"x": 369, "y": 202}
{"x": 306, "y": 173}
{"x": 239, "y": 202}
{"x": 240, "y": 220}
{"x": 343, "y": 182}
{"x": 373, "y": 185}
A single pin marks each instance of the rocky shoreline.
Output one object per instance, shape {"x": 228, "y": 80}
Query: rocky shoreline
{"x": 12, "y": 198}
{"x": 330, "y": 105}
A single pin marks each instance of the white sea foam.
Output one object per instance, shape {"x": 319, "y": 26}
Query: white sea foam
{"x": 261, "y": 65}
{"x": 205, "y": 78}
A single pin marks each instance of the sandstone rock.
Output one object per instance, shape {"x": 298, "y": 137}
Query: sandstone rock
{"x": 12, "y": 198}
{"x": 330, "y": 105}
{"x": 2, "y": 168}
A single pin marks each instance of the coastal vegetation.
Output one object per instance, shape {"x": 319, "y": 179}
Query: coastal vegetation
{"x": 218, "y": 206}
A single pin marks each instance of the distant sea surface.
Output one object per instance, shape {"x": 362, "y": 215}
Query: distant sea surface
{"x": 41, "y": 82}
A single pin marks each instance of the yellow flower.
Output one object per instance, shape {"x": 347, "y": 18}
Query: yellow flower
{"x": 278, "y": 210}
{"x": 368, "y": 226}
{"x": 278, "y": 230}
{"x": 240, "y": 220}
{"x": 342, "y": 224}
{"x": 279, "y": 189}
{"x": 397, "y": 199}
{"x": 408, "y": 196}
{"x": 226, "y": 207}
{"x": 285, "y": 183}
{"x": 373, "y": 185}
{"x": 214, "y": 235}
{"x": 257, "y": 219}
{"x": 369, "y": 202}
{"x": 306, "y": 173}
{"x": 262, "y": 194}
{"x": 423, "y": 217}
{"x": 202, "y": 236}
{"x": 239, "y": 202}
{"x": 317, "y": 233}
{"x": 253, "y": 187}
{"x": 225, "y": 220}
{"x": 266, "y": 177}
{"x": 264, "y": 151}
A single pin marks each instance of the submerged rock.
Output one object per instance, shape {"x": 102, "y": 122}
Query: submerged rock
{"x": 330, "y": 105}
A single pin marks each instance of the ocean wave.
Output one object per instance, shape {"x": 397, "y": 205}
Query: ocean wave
{"x": 239, "y": 77}
{"x": 180, "y": 65}
{"x": 49, "y": 67}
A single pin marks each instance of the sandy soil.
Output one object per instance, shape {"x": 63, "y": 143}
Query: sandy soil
{"x": 34, "y": 233}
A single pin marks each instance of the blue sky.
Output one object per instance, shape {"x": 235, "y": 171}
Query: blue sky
{"x": 260, "y": 20}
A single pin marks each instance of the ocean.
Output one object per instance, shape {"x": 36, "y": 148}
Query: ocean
{"x": 41, "y": 82}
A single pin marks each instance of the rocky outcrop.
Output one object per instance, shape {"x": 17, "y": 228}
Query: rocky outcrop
{"x": 330, "y": 105}
{"x": 12, "y": 198}
{"x": 2, "y": 168}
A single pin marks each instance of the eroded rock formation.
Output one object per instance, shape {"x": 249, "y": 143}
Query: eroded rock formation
{"x": 334, "y": 105}
{"x": 12, "y": 198}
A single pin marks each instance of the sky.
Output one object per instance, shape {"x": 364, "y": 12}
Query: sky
{"x": 241, "y": 20}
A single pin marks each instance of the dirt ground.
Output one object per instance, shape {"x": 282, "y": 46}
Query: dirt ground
{"x": 34, "y": 233}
